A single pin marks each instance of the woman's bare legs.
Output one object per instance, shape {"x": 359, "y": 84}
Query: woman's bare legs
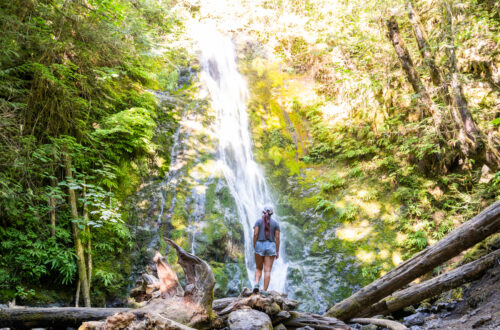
{"x": 259, "y": 262}
{"x": 268, "y": 265}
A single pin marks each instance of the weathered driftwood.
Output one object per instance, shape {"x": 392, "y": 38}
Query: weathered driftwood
{"x": 433, "y": 287}
{"x": 172, "y": 307}
{"x": 57, "y": 317}
{"x": 26, "y": 317}
{"x": 129, "y": 320}
{"x": 473, "y": 231}
{"x": 191, "y": 306}
{"x": 168, "y": 283}
{"x": 300, "y": 320}
{"x": 145, "y": 288}
{"x": 200, "y": 280}
{"x": 392, "y": 325}
{"x": 219, "y": 304}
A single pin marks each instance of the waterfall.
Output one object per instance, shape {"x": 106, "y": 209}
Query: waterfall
{"x": 245, "y": 179}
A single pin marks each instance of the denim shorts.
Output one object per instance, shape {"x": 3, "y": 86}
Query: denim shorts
{"x": 265, "y": 248}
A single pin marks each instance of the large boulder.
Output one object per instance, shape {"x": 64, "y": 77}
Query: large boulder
{"x": 249, "y": 319}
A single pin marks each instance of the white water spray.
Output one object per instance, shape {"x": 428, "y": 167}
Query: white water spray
{"x": 245, "y": 179}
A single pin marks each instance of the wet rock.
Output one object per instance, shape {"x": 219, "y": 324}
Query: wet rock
{"x": 369, "y": 327}
{"x": 481, "y": 320}
{"x": 415, "y": 319}
{"x": 434, "y": 324}
{"x": 280, "y": 327}
{"x": 249, "y": 319}
{"x": 415, "y": 327}
{"x": 443, "y": 306}
{"x": 422, "y": 310}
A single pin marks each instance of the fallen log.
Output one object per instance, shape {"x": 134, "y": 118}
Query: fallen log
{"x": 219, "y": 304}
{"x": 392, "y": 325}
{"x": 433, "y": 287}
{"x": 300, "y": 320}
{"x": 129, "y": 320}
{"x": 467, "y": 235}
{"x": 55, "y": 317}
{"x": 191, "y": 307}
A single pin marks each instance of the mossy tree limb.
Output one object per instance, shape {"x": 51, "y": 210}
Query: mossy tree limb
{"x": 467, "y": 235}
{"x": 433, "y": 287}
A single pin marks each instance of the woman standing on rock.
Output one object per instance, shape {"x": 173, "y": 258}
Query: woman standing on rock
{"x": 266, "y": 243}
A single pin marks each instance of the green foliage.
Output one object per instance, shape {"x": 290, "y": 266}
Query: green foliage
{"x": 334, "y": 182}
{"x": 73, "y": 83}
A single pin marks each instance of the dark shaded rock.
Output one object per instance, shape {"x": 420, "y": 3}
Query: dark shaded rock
{"x": 249, "y": 319}
{"x": 415, "y": 319}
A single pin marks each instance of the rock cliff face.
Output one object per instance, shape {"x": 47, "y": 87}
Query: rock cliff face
{"x": 191, "y": 202}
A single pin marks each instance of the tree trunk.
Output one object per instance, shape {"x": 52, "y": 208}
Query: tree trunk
{"x": 58, "y": 317}
{"x": 433, "y": 287}
{"x": 89, "y": 237}
{"x": 467, "y": 235}
{"x": 437, "y": 77}
{"x": 458, "y": 97}
{"x": 52, "y": 216}
{"x": 52, "y": 206}
{"x": 82, "y": 271}
{"x": 425, "y": 52}
{"x": 412, "y": 74}
{"x": 77, "y": 294}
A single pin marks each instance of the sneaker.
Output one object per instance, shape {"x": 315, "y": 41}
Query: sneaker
{"x": 264, "y": 293}
{"x": 256, "y": 288}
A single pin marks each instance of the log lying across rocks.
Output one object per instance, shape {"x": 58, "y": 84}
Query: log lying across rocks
{"x": 433, "y": 287}
{"x": 467, "y": 235}
{"x": 56, "y": 317}
{"x": 301, "y": 320}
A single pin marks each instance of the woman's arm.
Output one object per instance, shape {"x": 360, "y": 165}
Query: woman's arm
{"x": 255, "y": 235}
{"x": 277, "y": 237}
